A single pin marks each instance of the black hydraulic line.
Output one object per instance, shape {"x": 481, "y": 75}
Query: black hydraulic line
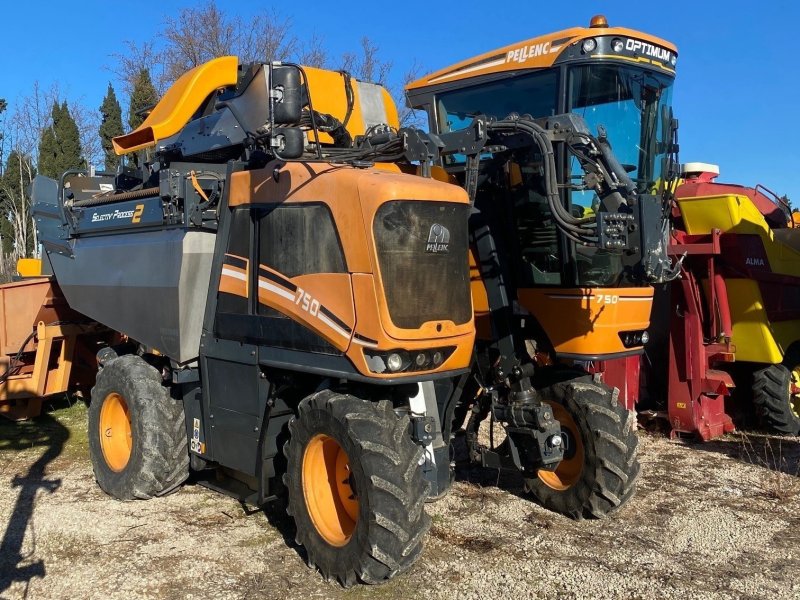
{"x": 11, "y": 366}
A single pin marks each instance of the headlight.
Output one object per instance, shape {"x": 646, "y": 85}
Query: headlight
{"x": 673, "y": 60}
{"x": 394, "y": 361}
{"x": 403, "y": 361}
{"x": 589, "y": 44}
{"x": 631, "y": 339}
{"x": 617, "y": 45}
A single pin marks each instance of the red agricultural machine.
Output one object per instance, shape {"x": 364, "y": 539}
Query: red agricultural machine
{"x": 732, "y": 320}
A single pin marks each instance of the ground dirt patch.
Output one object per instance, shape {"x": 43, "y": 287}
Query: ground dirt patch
{"x": 708, "y": 521}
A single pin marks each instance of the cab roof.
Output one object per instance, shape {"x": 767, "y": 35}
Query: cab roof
{"x": 535, "y": 53}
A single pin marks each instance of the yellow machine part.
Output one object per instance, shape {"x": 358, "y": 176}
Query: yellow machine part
{"x": 737, "y": 214}
{"x": 180, "y": 102}
{"x": 755, "y": 337}
{"x": 29, "y": 267}
{"x": 372, "y": 104}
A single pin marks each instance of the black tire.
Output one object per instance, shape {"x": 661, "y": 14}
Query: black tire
{"x": 386, "y": 480}
{"x": 159, "y": 454}
{"x": 772, "y": 399}
{"x": 604, "y": 478}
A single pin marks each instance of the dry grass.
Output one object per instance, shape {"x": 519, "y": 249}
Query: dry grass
{"x": 781, "y": 481}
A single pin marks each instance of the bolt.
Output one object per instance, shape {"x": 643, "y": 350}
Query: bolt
{"x": 554, "y": 441}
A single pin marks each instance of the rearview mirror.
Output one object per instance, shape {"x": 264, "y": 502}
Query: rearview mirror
{"x": 288, "y": 142}
{"x": 285, "y": 94}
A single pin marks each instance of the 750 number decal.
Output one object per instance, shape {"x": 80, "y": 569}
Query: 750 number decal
{"x": 305, "y": 301}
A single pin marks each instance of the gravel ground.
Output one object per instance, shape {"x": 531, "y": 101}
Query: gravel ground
{"x": 717, "y": 520}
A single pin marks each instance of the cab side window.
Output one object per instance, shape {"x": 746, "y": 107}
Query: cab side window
{"x": 299, "y": 239}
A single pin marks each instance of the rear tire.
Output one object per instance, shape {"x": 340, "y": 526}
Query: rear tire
{"x": 777, "y": 408}
{"x": 601, "y": 463}
{"x": 379, "y": 521}
{"x": 137, "y": 432}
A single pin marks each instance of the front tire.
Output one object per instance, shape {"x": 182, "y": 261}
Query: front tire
{"x": 137, "y": 433}
{"x": 599, "y": 471}
{"x": 356, "y": 491}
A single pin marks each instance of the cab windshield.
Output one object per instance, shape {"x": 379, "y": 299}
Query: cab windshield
{"x": 633, "y": 105}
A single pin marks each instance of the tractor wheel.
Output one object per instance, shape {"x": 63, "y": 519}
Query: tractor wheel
{"x": 600, "y": 466}
{"x": 776, "y": 397}
{"x": 137, "y": 433}
{"x": 356, "y": 491}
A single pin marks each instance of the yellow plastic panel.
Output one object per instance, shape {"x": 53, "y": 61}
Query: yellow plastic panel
{"x": 737, "y": 214}
{"x": 329, "y": 95}
{"x": 752, "y": 333}
{"x": 180, "y": 102}
{"x": 29, "y": 267}
{"x": 701, "y": 215}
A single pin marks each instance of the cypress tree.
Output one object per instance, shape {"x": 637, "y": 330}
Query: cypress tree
{"x": 111, "y": 126}
{"x": 143, "y": 96}
{"x": 60, "y": 146}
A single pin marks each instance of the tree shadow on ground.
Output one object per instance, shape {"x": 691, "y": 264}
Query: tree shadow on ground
{"x": 43, "y": 432}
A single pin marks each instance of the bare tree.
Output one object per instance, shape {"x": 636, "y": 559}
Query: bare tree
{"x": 196, "y": 36}
{"x": 30, "y": 117}
{"x": 129, "y": 63}
{"x": 15, "y": 204}
{"x": 88, "y": 121}
{"x": 270, "y": 38}
{"x": 408, "y": 116}
{"x": 366, "y": 65}
{"x": 313, "y": 53}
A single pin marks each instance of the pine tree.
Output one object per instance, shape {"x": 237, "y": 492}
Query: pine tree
{"x": 111, "y": 126}
{"x": 60, "y": 146}
{"x": 143, "y": 96}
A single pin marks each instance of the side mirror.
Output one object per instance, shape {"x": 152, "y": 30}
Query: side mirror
{"x": 285, "y": 94}
{"x": 288, "y": 142}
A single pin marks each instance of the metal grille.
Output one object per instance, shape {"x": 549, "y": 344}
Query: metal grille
{"x": 422, "y": 253}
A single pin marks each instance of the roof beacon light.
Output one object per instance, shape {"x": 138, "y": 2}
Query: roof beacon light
{"x": 598, "y": 21}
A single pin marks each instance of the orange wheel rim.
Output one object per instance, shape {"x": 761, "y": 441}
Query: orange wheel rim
{"x": 570, "y": 468}
{"x": 116, "y": 438}
{"x": 328, "y": 491}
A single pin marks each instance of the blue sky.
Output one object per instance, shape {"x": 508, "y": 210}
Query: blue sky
{"x": 737, "y": 93}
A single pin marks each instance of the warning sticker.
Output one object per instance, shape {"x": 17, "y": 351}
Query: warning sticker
{"x": 196, "y": 445}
